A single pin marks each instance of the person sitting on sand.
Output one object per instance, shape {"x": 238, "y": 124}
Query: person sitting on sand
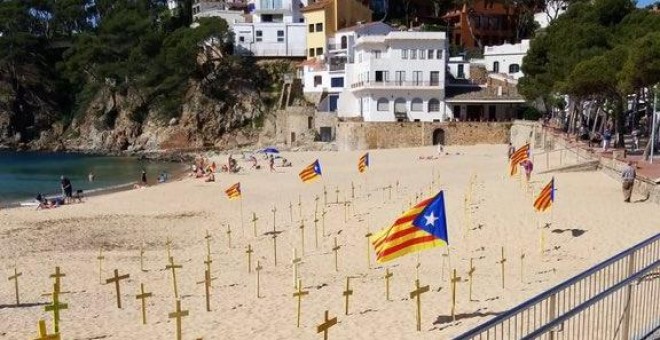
{"x": 286, "y": 163}
{"x": 210, "y": 178}
{"x": 255, "y": 163}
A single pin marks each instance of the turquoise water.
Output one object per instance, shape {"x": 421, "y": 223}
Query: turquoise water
{"x": 23, "y": 175}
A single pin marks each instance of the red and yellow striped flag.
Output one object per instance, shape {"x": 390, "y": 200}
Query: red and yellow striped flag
{"x": 547, "y": 196}
{"x": 311, "y": 172}
{"x": 422, "y": 227}
{"x": 363, "y": 163}
{"x": 234, "y": 191}
{"x": 520, "y": 155}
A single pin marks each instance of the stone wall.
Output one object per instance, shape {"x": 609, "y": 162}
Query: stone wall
{"x": 386, "y": 135}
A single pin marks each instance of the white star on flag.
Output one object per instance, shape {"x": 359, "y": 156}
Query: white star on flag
{"x": 430, "y": 219}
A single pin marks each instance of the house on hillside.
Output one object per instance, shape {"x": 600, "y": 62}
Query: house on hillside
{"x": 276, "y": 29}
{"x": 506, "y": 59}
{"x": 399, "y": 76}
{"x": 325, "y": 17}
{"x": 483, "y": 22}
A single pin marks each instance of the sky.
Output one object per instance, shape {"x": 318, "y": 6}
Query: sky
{"x": 644, "y": 3}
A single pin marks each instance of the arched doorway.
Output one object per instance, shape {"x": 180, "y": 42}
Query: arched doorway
{"x": 438, "y": 136}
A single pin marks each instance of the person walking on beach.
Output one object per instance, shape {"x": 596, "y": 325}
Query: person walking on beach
{"x": 271, "y": 163}
{"x": 628, "y": 176}
{"x": 67, "y": 189}
{"x": 143, "y": 178}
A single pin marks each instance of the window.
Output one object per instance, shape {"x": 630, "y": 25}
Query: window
{"x": 377, "y": 54}
{"x": 461, "y": 71}
{"x": 319, "y": 51}
{"x": 514, "y": 68}
{"x": 413, "y": 54}
{"x": 344, "y": 42}
{"x": 417, "y": 78}
{"x": 434, "y": 105}
{"x": 417, "y": 105}
{"x": 311, "y": 28}
{"x": 319, "y": 27}
{"x": 422, "y": 54}
{"x": 404, "y": 54}
{"x": 241, "y": 39}
{"x": 280, "y": 36}
{"x": 337, "y": 82}
{"x": 400, "y": 106}
{"x": 318, "y": 80}
{"x": 311, "y": 52}
{"x": 496, "y": 67}
{"x": 267, "y": 18}
{"x": 438, "y": 54}
{"x": 430, "y": 54}
{"x": 381, "y": 76}
{"x": 435, "y": 78}
{"x": 260, "y": 36}
{"x": 383, "y": 104}
{"x": 400, "y": 77}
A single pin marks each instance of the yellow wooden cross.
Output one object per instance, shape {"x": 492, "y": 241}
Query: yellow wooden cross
{"x": 316, "y": 232}
{"x": 345, "y": 209}
{"x": 295, "y": 261}
{"x": 55, "y": 307}
{"x": 325, "y": 196}
{"x": 323, "y": 221}
{"x": 15, "y": 278}
{"x": 207, "y": 288}
{"x": 367, "y": 236}
{"x": 208, "y": 238}
{"x": 168, "y": 247}
{"x": 300, "y": 213}
{"x": 274, "y": 237}
{"x": 387, "y": 277}
{"x": 291, "y": 211}
{"x": 522, "y": 265}
{"x": 100, "y": 258}
{"x": 397, "y": 186}
{"x": 174, "y": 267}
{"x": 299, "y": 294}
{"x": 115, "y": 279}
{"x": 178, "y": 314}
{"x": 337, "y": 197}
{"x": 254, "y": 223}
{"x": 454, "y": 280}
{"x": 249, "y": 252}
{"x": 417, "y": 294}
{"x": 501, "y": 262}
{"x": 43, "y": 333}
{"x": 336, "y": 250}
{"x": 258, "y": 269}
{"x": 229, "y": 236}
{"x": 142, "y": 258}
{"x": 471, "y": 276}
{"x": 316, "y": 205}
{"x": 347, "y": 293}
{"x": 352, "y": 190}
{"x": 302, "y": 235}
{"x": 143, "y": 296}
{"x": 390, "y": 192}
{"x": 325, "y": 326}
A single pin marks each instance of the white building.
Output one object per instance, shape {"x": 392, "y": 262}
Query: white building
{"x": 277, "y": 30}
{"x": 553, "y": 9}
{"x": 396, "y": 77}
{"x": 326, "y": 74}
{"x": 506, "y": 59}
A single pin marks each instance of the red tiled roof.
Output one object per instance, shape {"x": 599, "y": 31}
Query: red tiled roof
{"x": 316, "y": 6}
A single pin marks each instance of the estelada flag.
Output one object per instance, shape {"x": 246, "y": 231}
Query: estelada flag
{"x": 311, "y": 172}
{"x": 546, "y": 197}
{"x": 518, "y": 156}
{"x": 363, "y": 163}
{"x": 422, "y": 227}
{"x": 234, "y": 191}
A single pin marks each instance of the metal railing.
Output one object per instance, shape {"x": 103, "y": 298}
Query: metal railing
{"x": 616, "y": 299}
{"x": 396, "y": 83}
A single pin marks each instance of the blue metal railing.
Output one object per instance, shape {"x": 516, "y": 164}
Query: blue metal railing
{"x": 569, "y": 295}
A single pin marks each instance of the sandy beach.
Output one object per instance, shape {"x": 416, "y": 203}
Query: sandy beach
{"x": 589, "y": 223}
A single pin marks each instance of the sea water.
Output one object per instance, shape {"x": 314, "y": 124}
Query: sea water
{"x": 25, "y": 174}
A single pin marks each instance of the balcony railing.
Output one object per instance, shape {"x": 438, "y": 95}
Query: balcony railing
{"x": 396, "y": 83}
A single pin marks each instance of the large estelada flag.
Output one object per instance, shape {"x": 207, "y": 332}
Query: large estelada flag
{"x": 546, "y": 197}
{"x": 311, "y": 172}
{"x": 363, "y": 163}
{"x": 422, "y": 227}
{"x": 234, "y": 191}
{"x": 517, "y": 157}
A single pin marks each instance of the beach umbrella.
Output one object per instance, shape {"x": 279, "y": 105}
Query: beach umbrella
{"x": 269, "y": 150}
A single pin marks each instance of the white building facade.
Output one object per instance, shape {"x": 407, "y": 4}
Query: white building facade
{"x": 506, "y": 59}
{"x": 277, "y": 30}
{"x": 399, "y": 76}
